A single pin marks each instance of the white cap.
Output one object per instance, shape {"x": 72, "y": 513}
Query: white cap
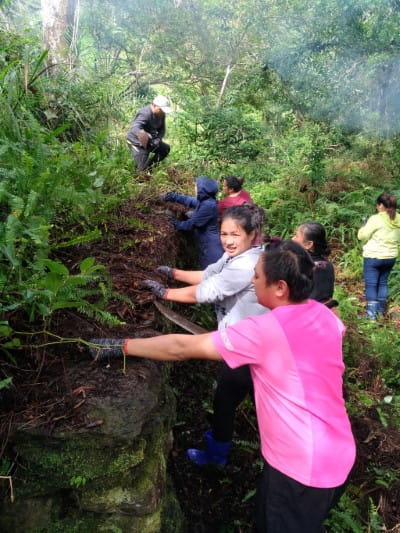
{"x": 163, "y": 102}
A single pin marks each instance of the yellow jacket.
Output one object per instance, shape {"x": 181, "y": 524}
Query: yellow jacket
{"x": 382, "y": 235}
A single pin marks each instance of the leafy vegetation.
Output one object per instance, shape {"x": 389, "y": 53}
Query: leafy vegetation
{"x": 299, "y": 98}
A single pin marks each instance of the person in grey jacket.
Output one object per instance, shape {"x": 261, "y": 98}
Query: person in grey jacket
{"x": 227, "y": 284}
{"x": 146, "y": 133}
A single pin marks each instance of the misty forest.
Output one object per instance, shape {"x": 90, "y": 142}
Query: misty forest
{"x": 300, "y": 98}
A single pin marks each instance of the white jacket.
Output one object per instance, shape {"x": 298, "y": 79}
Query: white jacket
{"x": 227, "y": 284}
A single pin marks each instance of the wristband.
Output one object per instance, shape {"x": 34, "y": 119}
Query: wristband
{"x": 125, "y": 347}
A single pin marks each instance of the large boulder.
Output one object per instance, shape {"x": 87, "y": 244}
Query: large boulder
{"x": 104, "y": 467}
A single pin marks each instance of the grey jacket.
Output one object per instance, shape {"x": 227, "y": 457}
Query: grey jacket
{"x": 145, "y": 120}
{"x": 227, "y": 283}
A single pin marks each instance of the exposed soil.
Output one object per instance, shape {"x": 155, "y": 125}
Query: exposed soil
{"x": 136, "y": 240}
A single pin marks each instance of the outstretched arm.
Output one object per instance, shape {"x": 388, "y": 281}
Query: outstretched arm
{"x": 192, "y": 277}
{"x": 173, "y": 347}
{"x": 186, "y": 295}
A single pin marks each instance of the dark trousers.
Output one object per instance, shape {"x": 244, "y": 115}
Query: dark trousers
{"x": 284, "y": 505}
{"x": 145, "y": 158}
{"x": 232, "y": 388}
{"x": 376, "y": 275}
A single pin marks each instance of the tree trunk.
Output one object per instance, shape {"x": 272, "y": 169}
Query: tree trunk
{"x": 228, "y": 71}
{"x": 57, "y": 16}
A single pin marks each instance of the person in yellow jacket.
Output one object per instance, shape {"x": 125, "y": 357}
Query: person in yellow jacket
{"x": 382, "y": 235}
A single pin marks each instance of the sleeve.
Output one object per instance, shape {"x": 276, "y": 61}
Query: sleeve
{"x": 233, "y": 279}
{"x": 366, "y": 232}
{"x": 200, "y": 218}
{"x": 221, "y": 206}
{"x": 184, "y": 199}
{"x": 140, "y": 122}
{"x": 214, "y": 268}
{"x": 243, "y": 343}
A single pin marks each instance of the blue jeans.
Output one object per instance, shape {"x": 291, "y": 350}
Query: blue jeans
{"x": 376, "y": 274}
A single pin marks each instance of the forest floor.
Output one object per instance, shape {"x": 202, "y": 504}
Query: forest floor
{"x": 212, "y": 499}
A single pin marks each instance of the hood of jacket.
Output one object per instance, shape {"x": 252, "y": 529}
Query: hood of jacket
{"x": 206, "y": 188}
{"x": 393, "y": 224}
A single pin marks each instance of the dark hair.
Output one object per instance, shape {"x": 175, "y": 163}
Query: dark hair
{"x": 315, "y": 232}
{"x": 270, "y": 242}
{"x": 389, "y": 202}
{"x": 233, "y": 182}
{"x": 292, "y": 263}
{"x": 248, "y": 215}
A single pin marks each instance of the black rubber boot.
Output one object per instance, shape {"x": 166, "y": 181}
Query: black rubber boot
{"x": 106, "y": 348}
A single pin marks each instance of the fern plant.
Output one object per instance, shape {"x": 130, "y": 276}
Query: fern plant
{"x": 88, "y": 291}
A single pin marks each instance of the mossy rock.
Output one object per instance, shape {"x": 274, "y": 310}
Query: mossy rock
{"x": 110, "y": 478}
{"x": 61, "y": 464}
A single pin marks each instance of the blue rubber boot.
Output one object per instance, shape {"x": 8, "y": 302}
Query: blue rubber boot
{"x": 372, "y": 309}
{"x": 216, "y": 452}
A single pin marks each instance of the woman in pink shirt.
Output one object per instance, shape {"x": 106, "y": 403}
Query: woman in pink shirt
{"x": 233, "y": 192}
{"x": 295, "y": 358}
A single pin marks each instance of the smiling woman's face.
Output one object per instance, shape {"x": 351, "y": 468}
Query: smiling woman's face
{"x": 234, "y": 239}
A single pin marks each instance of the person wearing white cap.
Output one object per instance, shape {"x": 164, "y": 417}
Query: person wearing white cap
{"x": 146, "y": 133}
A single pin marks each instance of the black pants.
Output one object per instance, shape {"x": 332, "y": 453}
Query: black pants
{"x": 284, "y": 505}
{"x": 232, "y": 388}
{"x": 145, "y": 158}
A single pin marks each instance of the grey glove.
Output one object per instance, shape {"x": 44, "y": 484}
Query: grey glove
{"x": 167, "y": 271}
{"x": 156, "y": 288}
{"x": 154, "y": 143}
{"x": 166, "y": 197}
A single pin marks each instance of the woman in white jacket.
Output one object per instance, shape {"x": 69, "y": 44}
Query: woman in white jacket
{"x": 381, "y": 235}
{"x": 226, "y": 284}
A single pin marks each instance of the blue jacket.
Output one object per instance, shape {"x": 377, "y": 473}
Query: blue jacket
{"x": 204, "y": 221}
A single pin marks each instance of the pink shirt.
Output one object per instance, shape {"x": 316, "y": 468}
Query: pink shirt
{"x": 295, "y": 358}
{"x": 230, "y": 201}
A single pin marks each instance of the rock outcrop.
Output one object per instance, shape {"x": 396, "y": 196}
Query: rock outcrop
{"x": 106, "y": 472}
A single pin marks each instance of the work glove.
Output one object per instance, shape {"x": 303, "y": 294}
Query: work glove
{"x": 156, "y": 288}
{"x": 167, "y": 196}
{"x": 155, "y": 142}
{"x": 166, "y": 271}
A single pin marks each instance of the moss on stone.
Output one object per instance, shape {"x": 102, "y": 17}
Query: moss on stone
{"x": 77, "y": 482}
{"x": 58, "y": 466}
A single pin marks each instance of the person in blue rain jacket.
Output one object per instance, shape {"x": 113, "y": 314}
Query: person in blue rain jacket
{"x": 203, "y": 221}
